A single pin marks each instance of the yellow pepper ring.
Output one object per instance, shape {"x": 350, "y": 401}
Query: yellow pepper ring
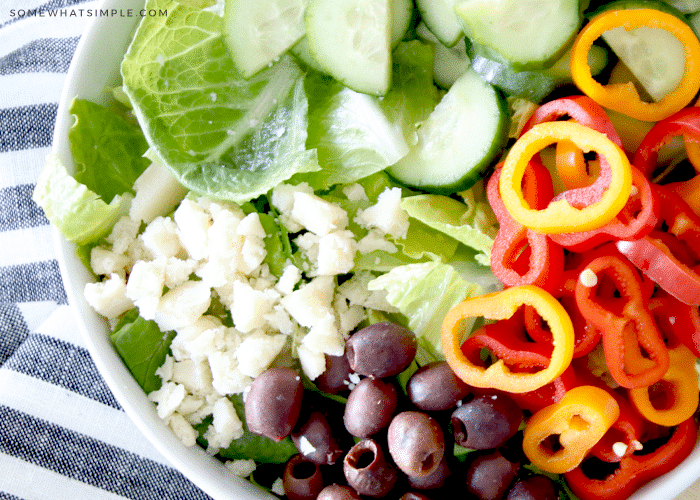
{"x": 624, "y": 98}
{"x": 502, "y": 305}
{"x": 559, "y": 216}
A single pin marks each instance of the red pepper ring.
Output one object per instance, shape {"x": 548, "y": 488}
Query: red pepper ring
{"x": 671, "y": 258}
{"x": 521, "y": 256}
{"x": 685, "y": 122}
{"x": 636, "y": 470}
{"x": 678, "y": 322}
{"x": 580, "y": 209}
{"x": 635, "y": 220}
{"x": 627, "y": 326}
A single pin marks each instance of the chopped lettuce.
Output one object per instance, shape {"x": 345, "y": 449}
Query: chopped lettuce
{"x": 79, "y": 213}
{"x": 142, "y": 347}
{"x": 424, "y": 293}
{"x": 108, "y": 150}
{"x": 220, "y": 134}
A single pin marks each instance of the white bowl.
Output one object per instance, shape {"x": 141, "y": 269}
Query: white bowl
{"x": 95, "y": 67}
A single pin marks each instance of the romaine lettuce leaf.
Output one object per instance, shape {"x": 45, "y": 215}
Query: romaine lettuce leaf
{"x": 424, "y": 293}
{"x": 108, "y": 150}
{"x": 142, "y": 347}
{"x": 220, "y": 134}
{"x": 80, "y": 214}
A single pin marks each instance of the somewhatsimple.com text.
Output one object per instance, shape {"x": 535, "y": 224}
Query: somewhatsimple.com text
{"x": 88, "y": 13}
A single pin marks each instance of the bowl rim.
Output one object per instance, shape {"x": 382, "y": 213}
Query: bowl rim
{"x": 88, "y": 80}
{"x": 208, "y": 474}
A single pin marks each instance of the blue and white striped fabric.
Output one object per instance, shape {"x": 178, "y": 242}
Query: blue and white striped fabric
{"x": 62, "y": 433}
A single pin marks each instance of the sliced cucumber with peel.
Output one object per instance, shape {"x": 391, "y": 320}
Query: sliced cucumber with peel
{"x": 459, "y": 140}
{"x": 654, "y": 56}
{"x": 259, "y": 31}
{"x": 440, "y": 18}
{"x": 450, "y": 62}
{"x": 351, "y": 40}
{"x": 530, "y": 34}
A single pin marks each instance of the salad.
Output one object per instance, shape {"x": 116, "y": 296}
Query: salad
{"x": 379, "y": 249}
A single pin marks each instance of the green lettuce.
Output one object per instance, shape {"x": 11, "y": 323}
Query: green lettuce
{"x": 79, "y": 213}
{"x": 107, "y": 149}
{"x": 424, "y": 293}
{"x": 142, "y": 347}
{"x": 220, "y": 134}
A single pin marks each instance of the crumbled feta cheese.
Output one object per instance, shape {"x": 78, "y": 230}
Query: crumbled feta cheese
{"x": 253, "y": 253}
{"x": 256, "y": 352}
{"x": 197, "y": 340}
{"x": 387, "y": 214}
{"x": 160, "y": 237}
{"x": 123, "y": 233}
{"x": 336, "y": 253}
{"x": 106, "y": 262}
{"x": 251, "y": 227}
{"x": 324, "y": 337}
{"x": 178, "y": 271}
{"x": 278, "y": 487}
{"x": 241, "y": 468}
{"x": 108, "y": 297}
{"x": 318, "y": 215}
{"x": 308, "y": 244}
{"x": 375, "y": 240}
{"x": 312, "y": 363}
{"x": 619, "y": 448}
{"x": 145, "y": 286}
{"x": 167, "y": 398}
{"x": 183, "y": 305}
{"x": 355, "y": 192}
{"x": 311, "y": 302}
{"x": 182, "y": 429}
{"x": 194, "y": 375}
{"x": 283, "y": 195}
{"x": 226, "y": 377}
{"x": 290, "y": 277}
{"x": 226, "y": 425}
{"x": 279, "y": 320}
{"x": 249, "y": 306}
{"x": 192, "y": 226}
{"x": 305, "y": 446}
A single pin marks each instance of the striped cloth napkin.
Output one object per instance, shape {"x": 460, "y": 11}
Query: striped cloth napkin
{"x": 62, "y": 433}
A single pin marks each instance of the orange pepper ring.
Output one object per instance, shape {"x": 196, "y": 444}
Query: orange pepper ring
{"x": 560, "y": 216}
{"x": 502, "y": 305}
{"x": 624, "y": 98}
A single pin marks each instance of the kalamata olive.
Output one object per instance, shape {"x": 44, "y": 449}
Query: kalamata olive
{"x": 381, "y": 349}
{"x": 370, "y": 407}
{"x": 273, "y": 404}
{"x": 315, "y": 441}
{"x": 489, "y": 476}
{"x": 434, "y": 480}
{"x": 416, "y": 443}
{"x": 435, "y": 387}
{"x": 336, "y": 376}
{"x": 486, "y": 422}
{"x": 533, "y": 488}
{"x": 338, "y": 492}
{"x": 302, "y": 479}
{"x": 367, "y": 470}
{"x": 412, "y": 495}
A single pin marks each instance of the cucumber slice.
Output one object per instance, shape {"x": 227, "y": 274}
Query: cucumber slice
{"x": 531, "y": 34}
{"x": 259, "y": 31}
{"x": 302, "y": 52}
{"x": 450, "y": 62}
{"x": 685, "y": 6}
{"x": 458, "y": 141}
{"x": 654, "y": 56}
{"x": 351, "y": 40}
{"x": 440, "y": 17}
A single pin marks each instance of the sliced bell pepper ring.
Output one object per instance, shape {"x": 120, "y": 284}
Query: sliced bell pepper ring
{"x": 635, "y": 470}
{"x": 624, "y": 98}
{"x": 521, "y": 256}
{"x": 580, "y": 209}
{"x": 586, "y": 334}
{"x": 579, "y": 420}
{"x": 499, "y": 306}
{"x": 571, "y": 165}
{"x": 627, "y": 429}
{"x": 637, "y": 218}
{"x": 670, "y": 255}
{"x": 635, "y": 352}
{"x": 689, "y": 191}
{"x": 678, "y": 322}
{"x": 685, "y": 123}
{"x": 546, "y": 395}
{"x": 675, "y": 397}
